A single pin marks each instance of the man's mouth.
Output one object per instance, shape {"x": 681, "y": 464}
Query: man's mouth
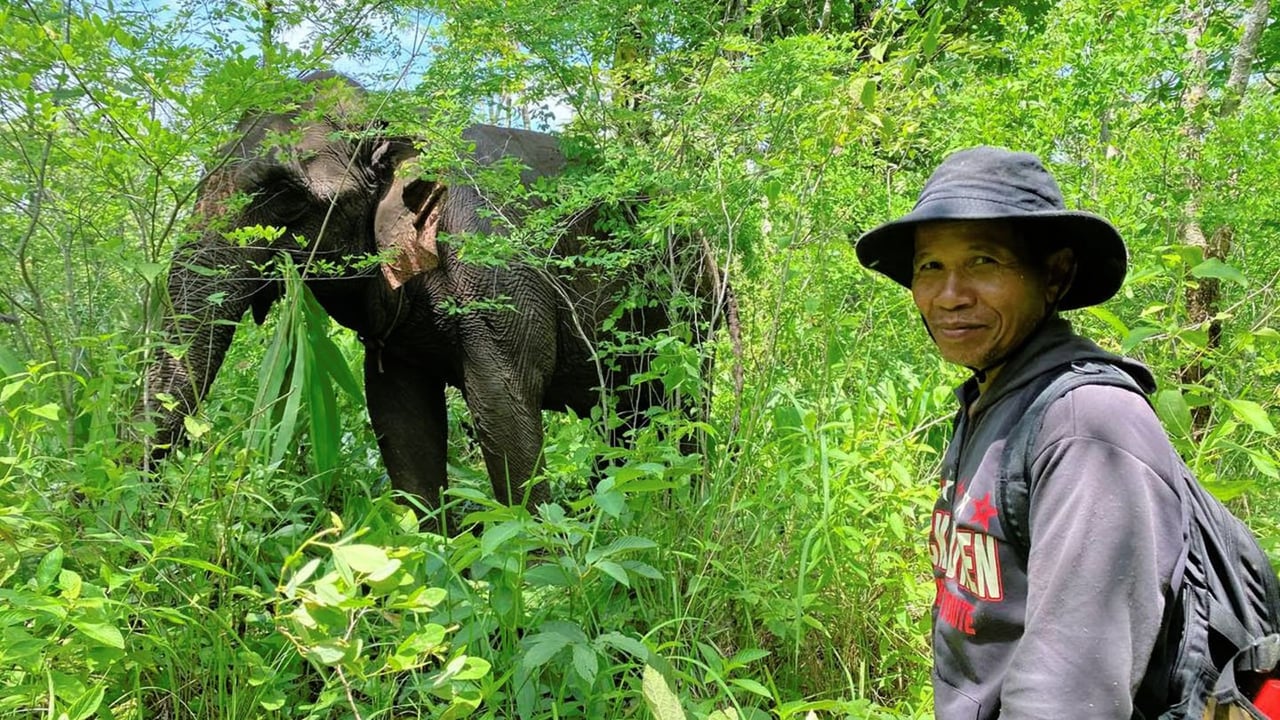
{"x": 956, "y": 331}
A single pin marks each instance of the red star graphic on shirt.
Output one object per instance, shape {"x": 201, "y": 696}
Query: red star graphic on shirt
{"x": 983, "y": 511}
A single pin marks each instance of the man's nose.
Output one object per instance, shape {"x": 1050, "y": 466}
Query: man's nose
{"x": 954, "y": 292}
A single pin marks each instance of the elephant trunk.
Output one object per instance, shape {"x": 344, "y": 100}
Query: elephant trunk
{"x": 211, "y": 284}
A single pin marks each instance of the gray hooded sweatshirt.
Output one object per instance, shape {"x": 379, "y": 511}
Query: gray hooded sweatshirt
{"x": 1068, "y": 632}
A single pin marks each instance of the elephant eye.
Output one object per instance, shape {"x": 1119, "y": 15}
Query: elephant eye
{"x": 278, "y": 198}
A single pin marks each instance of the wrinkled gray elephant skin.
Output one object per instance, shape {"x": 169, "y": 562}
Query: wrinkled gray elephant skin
{"x": 343, "y": 196}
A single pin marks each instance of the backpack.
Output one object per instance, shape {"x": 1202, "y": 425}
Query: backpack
{"x": 1220, "y": 640}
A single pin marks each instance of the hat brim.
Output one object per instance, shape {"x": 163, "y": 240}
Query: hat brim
{"x": 1101, "y": 257}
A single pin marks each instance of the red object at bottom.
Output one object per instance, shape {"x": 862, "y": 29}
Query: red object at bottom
{"x": 1268, "y": 699}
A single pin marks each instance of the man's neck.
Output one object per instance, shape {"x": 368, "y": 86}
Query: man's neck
{"x": 988, "y": 378}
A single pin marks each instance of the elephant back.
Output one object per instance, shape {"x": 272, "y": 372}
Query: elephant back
{"x": 539, "y": 152}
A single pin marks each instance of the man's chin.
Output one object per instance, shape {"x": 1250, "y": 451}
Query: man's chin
{"x": 964, "y": 358}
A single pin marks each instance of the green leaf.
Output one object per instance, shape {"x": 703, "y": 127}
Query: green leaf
{"x": 329, "y": 359}
{"x": 299, "y": 374}
{"x": 868, "y": 95}
{"x": 195, "y": 427}
{"x": 49, "y": 411}
{"x": 473, "y": 668}
{"x": 495, "y": 537}
{"x": 748, "y": 656}
{"x": 49, "y": 568}
{"x": 615, "y": 571}
{"x": 303, "y": 574}
{"x": 1254, "y": 415}
{"x": 329, "y": 652}
{"x": 272, "y": 699}
{"x": 325, "y": 425}
{"x": 549, "y": 575}
{"x": 367, "y": 559}
{"x": 1265, "y": 463}
{"x": 612, "y": 502}
{"x": 585, "y": 662}
{"x": 1111, "y": 319}
{"x": 628, "y": 645}
{"x": 102, "y": 633}
{"x": 1137, "y": 335}
{"x": 204, "y": 565}
{"x": 149, "y": 270}
{"x": 9, "y": 363}
{"x": 18, "y": 647}
{"x": 752, "y": 686}
{"x": 622, "y": 544}
{"x": 87, "y": 704}
{"x": 930, "y": 43}
{"x": 70, "y": 583}
{"x": 1174, "y": 412}
{"x": 8, "y": 391}
{"x": 543, "y": 647}
{"x": 662, "y": 701}
{"x": 1215, "y": 268}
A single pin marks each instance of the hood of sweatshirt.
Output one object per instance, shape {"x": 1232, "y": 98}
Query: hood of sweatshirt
{"x": 1053, "y": 345}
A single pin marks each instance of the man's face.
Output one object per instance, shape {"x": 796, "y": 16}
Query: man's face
{"x": 977, "y": 292}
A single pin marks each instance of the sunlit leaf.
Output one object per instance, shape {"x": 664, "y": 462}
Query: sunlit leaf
{"x": 662, "y": 701}
{"x": 86, "y": 705}
{"x": 49, "y": 411}
{"x": 195, "y": 427}
{"x": 1253, "y": 414}
{"x": 101, "y": 632}
{"x": 473, "y": 668}
{"x": 327, "y": 653}
{"x": 70, "y": 583}
{"x": 366, "y": 559}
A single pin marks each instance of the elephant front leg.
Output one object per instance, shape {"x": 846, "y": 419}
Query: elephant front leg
{"x": 509, "y": 429}
{"x": 408, "y": 415}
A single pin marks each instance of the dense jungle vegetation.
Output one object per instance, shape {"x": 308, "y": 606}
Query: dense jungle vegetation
{"x": 267, "y": 570}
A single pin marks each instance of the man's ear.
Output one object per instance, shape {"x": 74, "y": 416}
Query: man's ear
{"x": 1060, "y": 269}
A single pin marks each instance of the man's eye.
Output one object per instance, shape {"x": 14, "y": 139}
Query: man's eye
{"x": 927, "y": 265}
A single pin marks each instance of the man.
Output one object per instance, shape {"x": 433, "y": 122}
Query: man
{"x": 1073, "y": 629}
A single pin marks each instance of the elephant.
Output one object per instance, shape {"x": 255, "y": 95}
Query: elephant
{"x": 515, "y": 338}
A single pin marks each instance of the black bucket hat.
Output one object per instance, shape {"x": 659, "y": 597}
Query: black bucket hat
{"x": 990, "y": 183}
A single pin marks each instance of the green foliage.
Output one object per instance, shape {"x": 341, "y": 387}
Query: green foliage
{"x": 266, "y": 571}
{"x": 300, "y": 371}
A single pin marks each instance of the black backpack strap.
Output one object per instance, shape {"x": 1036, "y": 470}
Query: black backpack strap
{"x": 1261, "y": 657}
{"x": 1014, "y": 484}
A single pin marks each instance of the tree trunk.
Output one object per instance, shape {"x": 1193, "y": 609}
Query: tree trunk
{"x": 1203, "y": 295}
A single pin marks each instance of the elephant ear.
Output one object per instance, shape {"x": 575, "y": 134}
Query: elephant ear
{"x": 405, "y": 227}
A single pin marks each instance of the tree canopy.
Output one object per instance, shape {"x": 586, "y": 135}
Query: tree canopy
{"x": 266, "y": 570}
